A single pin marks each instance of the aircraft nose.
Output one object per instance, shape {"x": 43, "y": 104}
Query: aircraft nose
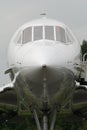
{"x": 43, "y": 62}
{"x": 41, "y": 57}
{"x": 44, "y": 66}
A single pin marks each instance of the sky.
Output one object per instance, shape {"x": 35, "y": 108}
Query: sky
{"x": 14, "y": 13}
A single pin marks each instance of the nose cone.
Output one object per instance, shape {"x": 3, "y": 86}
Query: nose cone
{"x": 42, "y": 56}
{"x": 42, "y": 62}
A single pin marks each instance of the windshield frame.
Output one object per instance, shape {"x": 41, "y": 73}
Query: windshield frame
{"x": 66, "y": 33}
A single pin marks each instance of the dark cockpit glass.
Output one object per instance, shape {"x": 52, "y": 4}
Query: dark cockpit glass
{"x": 54, "y": 33}
{"x": 27, "y": 35}
{"x": 38, "y": 33}
{"x": 49, "y": 32}
{"x": 60, "y": 34}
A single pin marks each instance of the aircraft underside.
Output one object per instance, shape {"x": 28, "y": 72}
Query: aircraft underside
{"x": 55, "y": 87}
{"x": 46, "y": 93}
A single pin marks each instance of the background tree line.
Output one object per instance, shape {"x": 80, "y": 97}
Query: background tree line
{"x": 84, "y": 47}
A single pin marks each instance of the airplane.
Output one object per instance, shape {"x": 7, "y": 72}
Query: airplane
{"x": 45, "y": 67}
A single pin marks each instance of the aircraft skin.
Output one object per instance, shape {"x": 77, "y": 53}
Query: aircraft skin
{"x": 45, "y": 62}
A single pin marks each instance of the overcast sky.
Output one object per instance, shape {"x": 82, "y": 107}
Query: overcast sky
{"x": 14, "y": 13}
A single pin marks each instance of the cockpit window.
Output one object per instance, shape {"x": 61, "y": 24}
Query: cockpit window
{"x": 69, "y": 36}
{"x": 27, "y": 35}
{"x": 49, "y": 32}
{"x": 19, "y": 39}
{"x": 38, "y": 33}
{"x": 60, "y": 34}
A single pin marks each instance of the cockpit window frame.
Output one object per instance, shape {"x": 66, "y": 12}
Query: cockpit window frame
{"x": 17, "y": 37}
{"x": 68, "y": 39}
{"x": 67, "y": 32}
{"x": 20, "y": 37}
{"x": 70, "y": 36}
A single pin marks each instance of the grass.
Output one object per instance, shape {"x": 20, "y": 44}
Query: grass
{"x": 66, "y": 120}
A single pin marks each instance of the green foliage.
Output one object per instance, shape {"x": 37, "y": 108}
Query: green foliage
{"x": 84, "y": 47}
{"x": 64, "y": 124}
{"x": 28, "y": 123}
{"x": 84, "y": 126}
{"x": 58, "y": 128}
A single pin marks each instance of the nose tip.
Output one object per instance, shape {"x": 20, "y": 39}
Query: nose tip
{"x": 44, "y": 66}
{"x": 42, "y": 57}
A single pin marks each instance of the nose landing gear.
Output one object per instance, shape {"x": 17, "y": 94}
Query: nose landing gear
{"x": 46, "y": 125}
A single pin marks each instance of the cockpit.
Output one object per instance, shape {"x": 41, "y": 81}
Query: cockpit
{"x": 53, "y": 33}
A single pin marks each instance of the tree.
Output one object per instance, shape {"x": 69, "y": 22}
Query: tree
{"x": 84, "y": 47}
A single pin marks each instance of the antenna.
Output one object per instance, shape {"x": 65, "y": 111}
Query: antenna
{"x": 43, "y": 14}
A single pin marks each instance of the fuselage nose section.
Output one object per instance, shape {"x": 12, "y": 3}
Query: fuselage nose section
{"x": 42, "y": 56}
{"x": 42, "y": 62}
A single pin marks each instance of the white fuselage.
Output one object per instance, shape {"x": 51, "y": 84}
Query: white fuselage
{"x": 39, "y": 53}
